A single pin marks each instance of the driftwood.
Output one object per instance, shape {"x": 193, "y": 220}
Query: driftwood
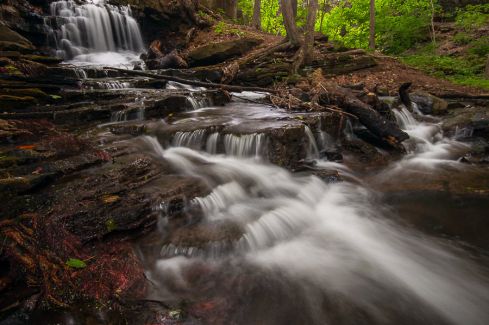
{"x": 194, "y": 82}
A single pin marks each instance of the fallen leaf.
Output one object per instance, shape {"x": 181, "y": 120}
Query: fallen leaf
{"x": 26, "y": 147}
{"x": 76, "y": 263}
{"x": 110, "y": 198}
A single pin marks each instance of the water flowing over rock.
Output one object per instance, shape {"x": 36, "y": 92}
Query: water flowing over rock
{"x": 94, "y": 32}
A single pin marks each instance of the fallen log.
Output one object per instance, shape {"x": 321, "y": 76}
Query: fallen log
{"x": 386, "y": 130}
{"x": 195, "y": 82}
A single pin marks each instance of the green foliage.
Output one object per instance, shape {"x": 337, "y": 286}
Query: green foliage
{"x": 76, "y": 263}
{"x": 480, "y": 47}
{"x": 474, "y": 81}
{"x": 465, "y": 71}
{"x": 221, "y": 28}
{"x": 462, "y": 38}
{"x": 399, "y": 24}
{"x": 472, "y": 16}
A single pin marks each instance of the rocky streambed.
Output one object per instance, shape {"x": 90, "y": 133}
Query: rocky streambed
{"x": 129, "y": 198}
{"x": 98, "y": 209}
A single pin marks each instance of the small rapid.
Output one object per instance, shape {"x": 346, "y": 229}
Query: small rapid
{"x": 333, "y": 242}
{"x": 427, "y": 148}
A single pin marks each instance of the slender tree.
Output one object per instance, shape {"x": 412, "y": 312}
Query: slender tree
{"x": 294, "y": 8}
{"x": 257, "y": 14}
{"x": 486, "y": 72}
{"x": 371, "y": 43}
{"x": 310, "y": 26}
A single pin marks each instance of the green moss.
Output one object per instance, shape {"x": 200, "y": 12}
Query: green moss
{"x": 111, "y": 225}
{"x": 30, "y": 92}
{"x": 14, "y": 102}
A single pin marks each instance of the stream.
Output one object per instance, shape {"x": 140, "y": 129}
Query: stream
{"x": 284, "y": 233}
{"x": 305, "y": 251}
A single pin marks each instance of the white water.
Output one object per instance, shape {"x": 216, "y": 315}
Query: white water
{"x": 332, "y": 240}
{"x": 244, "y": 145}
{"x": 330, "y": 237}
{"x": 427, "y": 147}
{"x": 94, "y": 33}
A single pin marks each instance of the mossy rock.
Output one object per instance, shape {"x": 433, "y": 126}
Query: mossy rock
{"x": 26, "y": 92}
{"x": 13, "y": 41}
{"x": 8, "y": 102}
{"x": 215, "y": 53}
{"x": 43, "y": 59}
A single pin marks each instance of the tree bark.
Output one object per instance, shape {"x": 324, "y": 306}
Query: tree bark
{"x": 486, "y": 72}
{"x": 294, "y": 8}
{"x": 257, "y": 15}
{"x": 289, "y": 23}
{"x": 310, "y": 26}
{"x": 232, "y": 9}
{"x": 371, "y": 43}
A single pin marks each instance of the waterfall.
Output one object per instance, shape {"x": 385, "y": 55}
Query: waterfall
{"x": 312, "y": 148}
{"x": 246, "y": 145}
{"x": 94, "y": 32}
{"x": 193, "y": 139}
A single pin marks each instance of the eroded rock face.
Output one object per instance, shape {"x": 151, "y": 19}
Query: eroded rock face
{"x": 219, "y": 52}
{"x": 13, "y": 41}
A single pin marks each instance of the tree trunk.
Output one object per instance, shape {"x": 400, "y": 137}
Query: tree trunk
{"x": 257, "y": 15}
{"x": 486, "y": 72}
{"x": 371, "y": 43}
{"x": 294, "y": 8}
{"x": 232, "y": 9}
{"x": 310, "y": 26}
{"x": 289, "y": 23}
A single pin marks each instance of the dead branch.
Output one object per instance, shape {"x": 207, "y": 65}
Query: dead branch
{"x": 194, "y": 82}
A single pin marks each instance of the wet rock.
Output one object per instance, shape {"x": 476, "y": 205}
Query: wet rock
{"x": 13, "y": 41}
{"x": 171, "y": 60}
{"x": 429, "y": 104}
{"x": 218, "y": 52}
{"x": 467, "y": 122}
{"x": 8, "y": 102}
{"x": 24, "y": 184}
{"x": 42, "y": 59}
{"x": 23, "y": 92}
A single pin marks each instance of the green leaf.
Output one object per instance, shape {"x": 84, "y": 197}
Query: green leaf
{"x": 55, "y": 97}
{"x": 76, "y": 263}
{"x": 175, "y": 314}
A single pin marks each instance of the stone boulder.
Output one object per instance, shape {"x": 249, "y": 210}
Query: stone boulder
{"x": 13, "y": 41}
{"x": 429, "y": 104}
{"x": 215, "y": 53}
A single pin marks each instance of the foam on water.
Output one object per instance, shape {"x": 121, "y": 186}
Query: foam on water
{"x": 94, "y": 33}
{"x": 330, "y": 238}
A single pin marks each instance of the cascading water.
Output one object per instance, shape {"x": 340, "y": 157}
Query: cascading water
{"x": 244, "y": 145}
{"x": 328, "y": 240}
{"x": 94, "y": 33}
{"x": 427, "y": 147}
{"x": 311, "y": 252}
